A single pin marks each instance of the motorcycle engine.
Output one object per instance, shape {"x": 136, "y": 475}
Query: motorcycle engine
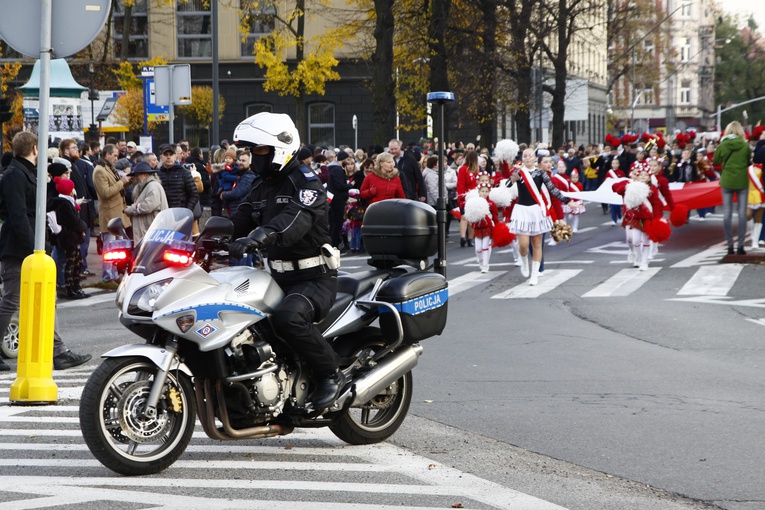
{"x": 265, "y": 377}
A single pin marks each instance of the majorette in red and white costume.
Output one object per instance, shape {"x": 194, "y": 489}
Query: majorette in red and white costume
{"x": 665, "y": 198}
{"x": 506, "y": 152}
{"x": 640, "y": 203}
{"x": 481, "y": 212}
{"x": 572, "y": 214}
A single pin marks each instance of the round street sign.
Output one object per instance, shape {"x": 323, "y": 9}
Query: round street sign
{"x": 75, "y": 24}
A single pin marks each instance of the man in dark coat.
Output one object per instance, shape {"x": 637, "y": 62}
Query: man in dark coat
{"x": 409, "y": 172}
{"x": 338, "y": 185}
{"x": 18, "y": 193}
{"x": 180, "y": 189}
{"x": 69, "y": 150}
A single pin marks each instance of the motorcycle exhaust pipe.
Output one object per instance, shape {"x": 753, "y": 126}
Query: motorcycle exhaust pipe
{"x": 384, "y": 373}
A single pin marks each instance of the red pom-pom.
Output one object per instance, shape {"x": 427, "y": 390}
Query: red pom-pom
{"x": 657, "y": 230}
{"x": 501, "y": 235}
{"x": 679, "y": 216}
{"x": 456, "y": 213}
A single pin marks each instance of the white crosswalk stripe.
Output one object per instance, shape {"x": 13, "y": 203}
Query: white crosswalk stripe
{"x": 623, "y": 283}
{"x": 712, "y": 280}
{"x": 547, "y": 283}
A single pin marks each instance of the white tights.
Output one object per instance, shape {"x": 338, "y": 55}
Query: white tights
{"x": 639, "y": 246}
{"x": 483, "y": 251}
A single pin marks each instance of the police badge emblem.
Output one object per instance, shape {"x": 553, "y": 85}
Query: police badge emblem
{"x": 308, "y": 196}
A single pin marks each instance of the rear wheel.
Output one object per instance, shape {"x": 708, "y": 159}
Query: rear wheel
{"x": 115, "y": 427}
{"x": 378, "y": 419}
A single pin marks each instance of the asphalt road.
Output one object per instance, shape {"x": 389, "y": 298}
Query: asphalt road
{"x": 604, "y": 388}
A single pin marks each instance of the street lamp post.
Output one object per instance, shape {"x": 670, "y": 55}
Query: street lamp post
{"x": 92, "y": 95}
{"x": 441, "y": 98}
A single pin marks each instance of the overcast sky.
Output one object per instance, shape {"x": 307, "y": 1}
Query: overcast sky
{"x": 746, "y": 7}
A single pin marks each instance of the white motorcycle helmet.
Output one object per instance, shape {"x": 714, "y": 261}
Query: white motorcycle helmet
{"x": 272, "y": 130}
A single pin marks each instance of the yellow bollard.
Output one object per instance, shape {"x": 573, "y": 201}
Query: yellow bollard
{"x": 34, "y": 378}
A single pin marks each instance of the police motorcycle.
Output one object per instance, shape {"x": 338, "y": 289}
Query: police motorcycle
{"x": 210, "y": 351}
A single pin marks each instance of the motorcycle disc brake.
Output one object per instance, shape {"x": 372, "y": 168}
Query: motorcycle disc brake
{"x": 133, "y": 422}
{"x": 383, "y": 400}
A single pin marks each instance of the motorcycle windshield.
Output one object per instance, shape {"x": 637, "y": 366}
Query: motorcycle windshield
{"x": 170, "y": 230}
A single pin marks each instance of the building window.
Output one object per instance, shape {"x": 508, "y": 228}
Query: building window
{"x": 648, "y": 46}
{"x": 254, "y": 108}
{"x": 194, "y": 28}
{"x": 258, "y": 22}
{"x": 137, "y": 27}
{"x": 685, "y": 9}
{"x": 685, "y": 92}
{"x": 321, "y": 124}
{"x": 685, "y": 50}
{"x": 648, "y": 96}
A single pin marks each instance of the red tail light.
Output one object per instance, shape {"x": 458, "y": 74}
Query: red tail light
{"x": 178, "y": 258}
{"x": 116, "y": 255}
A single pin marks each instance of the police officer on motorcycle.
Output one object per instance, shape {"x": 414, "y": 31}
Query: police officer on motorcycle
{"x": 287, "y": 208}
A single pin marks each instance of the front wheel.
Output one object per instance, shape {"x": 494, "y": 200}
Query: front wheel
{"x": 117, "y": 431}
{"x": 10, "y": 342}
{"x": 376, "y": 420}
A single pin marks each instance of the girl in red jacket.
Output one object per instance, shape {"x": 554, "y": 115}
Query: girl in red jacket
{"x": 383, "y": 182}
{"x": 467, "y": 176}
{"x": 640, "y": 205}
{"x": 482, "y": 214}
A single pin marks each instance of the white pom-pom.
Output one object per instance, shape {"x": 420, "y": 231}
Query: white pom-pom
{"x": 506, "y": 150}
{"x": 635, "y": 194}
{"x": 476, "y": 209}
{"x": 501, "y": 196}
{"x": 471, "y": 194}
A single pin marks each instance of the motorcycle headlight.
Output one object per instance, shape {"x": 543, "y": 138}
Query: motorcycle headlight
{"x": 142, "y": 302}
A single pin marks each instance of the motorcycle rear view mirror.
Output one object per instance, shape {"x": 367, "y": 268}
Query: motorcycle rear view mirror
{"x": 116, "y": 227}
{"x": 217, "y": 226}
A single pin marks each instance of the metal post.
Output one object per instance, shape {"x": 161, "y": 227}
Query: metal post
{"x": 42, "y": 130}
{"x": 440, "y": 263}
{"x": 215, "y": 134}
{"x": 171, "y": 125}
{"x": 719, "y": 118}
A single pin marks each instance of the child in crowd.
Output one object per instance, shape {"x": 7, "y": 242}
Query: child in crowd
{"x": 616, "y": 173}
{"x": 70, "y": 237}
{"x": 228, "y": 175}
{"x": 572, "y": 215}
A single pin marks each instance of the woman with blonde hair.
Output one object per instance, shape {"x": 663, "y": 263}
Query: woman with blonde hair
{"x": 734, "y": 155}
{"x": 383, "y": 182}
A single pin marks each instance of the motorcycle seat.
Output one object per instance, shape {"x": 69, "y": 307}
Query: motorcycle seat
{"x": 357, "y": 284}
{"x": 342, "y": 301}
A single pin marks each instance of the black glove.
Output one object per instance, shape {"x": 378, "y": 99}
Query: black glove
{"x": 242, "y": 246}
{"x": 263, "y": 237}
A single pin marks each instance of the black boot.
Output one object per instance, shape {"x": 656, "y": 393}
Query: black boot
{"x": 327, "y": 390}
{"x": 470, "y": 242}
{"x": 463, "y": 241}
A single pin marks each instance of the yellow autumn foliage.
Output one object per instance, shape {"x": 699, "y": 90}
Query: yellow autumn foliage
{"x": 200, "y": 112}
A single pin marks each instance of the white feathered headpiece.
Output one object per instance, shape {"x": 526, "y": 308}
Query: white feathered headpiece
{"x": 506, "y": 150}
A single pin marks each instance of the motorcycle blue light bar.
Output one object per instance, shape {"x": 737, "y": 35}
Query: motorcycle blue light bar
{"x": 440, "y": 96}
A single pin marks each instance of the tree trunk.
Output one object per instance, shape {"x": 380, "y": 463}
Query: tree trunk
{"x": 523, "y": 112}
{"x": 126, "y": 29}
{"x": 383, "y": 76}
{"x": 300, "y": 120}
{"x": 439, "y": 78}
{"x": 487, "y": 108}
{"x": 558, "y": 106}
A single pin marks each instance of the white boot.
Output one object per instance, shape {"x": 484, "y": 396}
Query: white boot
{"x": 756, "y": 231}
{"x": 486, "y": 257}
{"x": 516, "y": 253}
{"x": 525, "y": 266}
{"x": 644, "y": 256}
{"x": 534, "y": 272}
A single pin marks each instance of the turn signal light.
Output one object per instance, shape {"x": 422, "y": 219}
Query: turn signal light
{"x": 178, "y": 258}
